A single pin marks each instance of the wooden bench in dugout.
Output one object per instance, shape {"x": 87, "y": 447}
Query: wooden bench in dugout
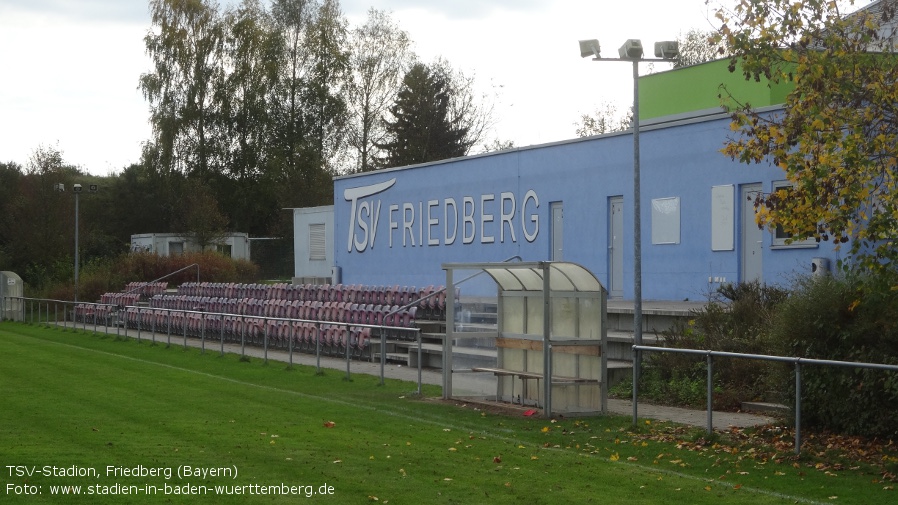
{"x": 585, "y": 348}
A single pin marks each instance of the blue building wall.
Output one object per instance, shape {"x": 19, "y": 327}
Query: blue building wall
{"x": 398, "y": 226}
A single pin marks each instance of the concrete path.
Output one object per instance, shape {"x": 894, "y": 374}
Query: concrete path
{"x": 462, "y": 383}
{"x": 720, "y": 420}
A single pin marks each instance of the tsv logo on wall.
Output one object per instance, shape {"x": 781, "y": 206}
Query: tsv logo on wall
{"x": 485, "y": 219}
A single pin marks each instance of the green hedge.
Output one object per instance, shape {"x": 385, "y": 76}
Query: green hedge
{"x": 844, "y": 319}
{"x": 736, "y": 320}
{"x": 112, "y": 275}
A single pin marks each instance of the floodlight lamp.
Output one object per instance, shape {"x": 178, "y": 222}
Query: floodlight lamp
{"x": 93, "y": 188}
{"x": 590, "y": 47}
{"x": 76, "y": 188}
{"x": 631, "y": 50}
{"x": 667, "y": 49}
{"x": 59, "y": 187}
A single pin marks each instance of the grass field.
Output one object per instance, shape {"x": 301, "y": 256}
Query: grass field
{"x": 81, "y": 412}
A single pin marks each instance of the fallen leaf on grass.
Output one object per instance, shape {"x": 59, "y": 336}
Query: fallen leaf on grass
{"x": 329, "y": 424}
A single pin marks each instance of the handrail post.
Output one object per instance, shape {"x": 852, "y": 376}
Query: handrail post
{"x": 348, "y": 338}
{"x": 203, "y": 333}
{"x": 710, "y": 393}
{"x": 168, "y": 328}
{"x": 290, "y": 348}
{"x": 798, "y": 406}
{"x": 418, "y": 333}
{"x": 383, "y": 353}
{"x": 635, "y": 384}
{"x": 243, "y": 337}
{"x": 265, "y": 340}
{"x": 318, "y": 347}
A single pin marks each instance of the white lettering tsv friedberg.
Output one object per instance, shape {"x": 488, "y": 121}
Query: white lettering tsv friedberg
{"x": 440, "y": 222}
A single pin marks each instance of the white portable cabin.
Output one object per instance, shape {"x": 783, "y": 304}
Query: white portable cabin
{"x": 236, "y": 245}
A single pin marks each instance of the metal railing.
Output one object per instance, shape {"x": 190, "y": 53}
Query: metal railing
{"x": 710, "y": 355}
{"x": 166, "y": 276}
{"x": 119, "y": 315}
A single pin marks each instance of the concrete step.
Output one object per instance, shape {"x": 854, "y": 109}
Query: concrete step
{"x": 429, "y": 326}
{"x": 626, "y": 337}
{"x": 765, "y": 408}
{"x": 657, "y": 316}
{"x": 400, "y": 357}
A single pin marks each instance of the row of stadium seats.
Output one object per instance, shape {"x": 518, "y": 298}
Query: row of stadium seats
{"x": 338, "y": 312}
{"x": 300, "y": 336}
{"x": 429, "y": 307}
{"x": 90, "y": 313}
{"x": 120, "y": 298}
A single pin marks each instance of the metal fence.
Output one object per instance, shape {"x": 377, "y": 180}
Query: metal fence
{"x": 710, "y": 355}
{"x": 38, "y": 311}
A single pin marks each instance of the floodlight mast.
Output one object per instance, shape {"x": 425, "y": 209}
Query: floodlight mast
{"x": 77, "y": 189}
{"x": 631, "y": 50}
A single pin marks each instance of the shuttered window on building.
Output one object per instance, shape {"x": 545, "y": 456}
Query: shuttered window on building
{"x": 317, "y": 243}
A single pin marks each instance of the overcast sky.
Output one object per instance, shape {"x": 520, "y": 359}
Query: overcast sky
{"x": 69, "y": 69}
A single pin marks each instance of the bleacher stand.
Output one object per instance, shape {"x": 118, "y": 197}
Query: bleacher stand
{"x": 323, "y": 315}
